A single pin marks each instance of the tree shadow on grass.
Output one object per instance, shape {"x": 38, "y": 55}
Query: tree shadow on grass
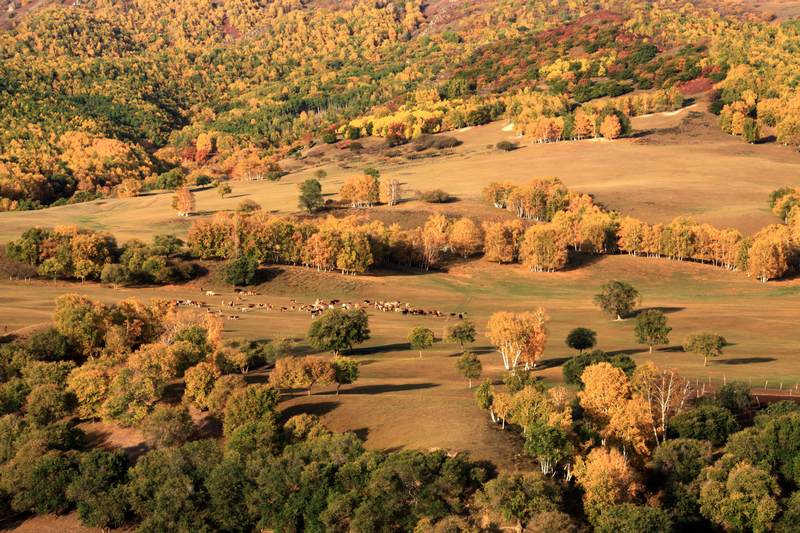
{"x": 318, "y": 409}
{"x": 361, "y": 433}
{"x": 627, "y": 351}
{"x": 579, "y": 260}
{"x": 552, "y": 363}
{"x": 372, "y": 350}
{"x": 665, "y": 310}
{"x": 381, "y": 389}
{"x": 669, "y": 349}
{"x": 481, "y": 350}
{"x": 746, "y": 360}
{"x": 265, "y": 275}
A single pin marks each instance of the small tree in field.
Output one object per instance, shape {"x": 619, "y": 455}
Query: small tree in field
{"x": 617, "y": 299}
{"x": 345, "y": 370}
{"x": 310, "y": 195}
{"x": 421, "y": 338}
{"x": 651, "y": 328}
{"x": 462, "y": 333}
{"x": 223, "y": 189}
{"x": 705, "y": 344}
{"x": 470, "y": 366}
{"x": 183, "y": 202}
{"x": 581, "y": 339}
{"x": 339, "y": 329}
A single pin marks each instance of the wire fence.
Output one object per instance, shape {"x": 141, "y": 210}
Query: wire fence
{"x": 769, "y": 387}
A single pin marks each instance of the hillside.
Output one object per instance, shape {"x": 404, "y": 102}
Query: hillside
{"x": 99, "y": 93}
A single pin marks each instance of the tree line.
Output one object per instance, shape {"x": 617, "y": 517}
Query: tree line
{"x": 65, "y": 252}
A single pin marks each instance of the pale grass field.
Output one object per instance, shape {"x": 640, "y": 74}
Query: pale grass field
{"x": 657, "y": 176}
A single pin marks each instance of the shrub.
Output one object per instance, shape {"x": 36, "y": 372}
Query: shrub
{"x": 329, "y": 137}
{"x": 167, "y": 425}
{"x": 506, "y": 146}
{"x": 248, "y": 206}
{"x": 446, "y": 142}
{"x": 202, "y": 180}
{"x": 436, "y": 196}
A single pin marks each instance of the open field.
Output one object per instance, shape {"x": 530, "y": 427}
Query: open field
{"x": 404, "y": 402}
{"x": 677, "y": 164}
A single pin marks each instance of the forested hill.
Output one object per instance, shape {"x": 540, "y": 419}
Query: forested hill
{"x": 95, "y": 93}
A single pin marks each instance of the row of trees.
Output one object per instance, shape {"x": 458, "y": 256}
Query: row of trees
{"x": 575, "y": 222}
{"x": 65, "y": 252}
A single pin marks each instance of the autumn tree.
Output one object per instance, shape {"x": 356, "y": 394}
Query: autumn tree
{"x": 543, "y": 249}
{"x": 360, "y": 191}
{"x": 465, "y": 237}
{"x": 611, "y": 127}
{"x": 706, "y": 344}
{"x": 768, "y": 256}
{"x": 199, "y": 382}
{"x": 345, "y": 371}
{"x": 129, "y": 188}
{"x": 617, "y": 299}
{"x": 515, "y": 334}
{"x": 223, "y": 189}
{"x": 434, "y": 240}
{"x": 470, "y": 367}
{"x": 82, "y": 321}
{"x": 421, "y": 338}
{"x": 666, "y": 395}
{"x": 183, "y": 202}
{"x": 651, "y": 328}
{"x": 608, "y": 479}
{"x": 612, "y": 407}
{"x": 391, "y": 192}
{"x": 317, "y": 371}
{"x": 502, "y": 241}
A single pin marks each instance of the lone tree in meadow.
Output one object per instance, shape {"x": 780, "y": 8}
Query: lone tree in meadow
{"x": 183, "y": 202}
{"x": 705, "y": 344}
{"x": 581, "y": 339}
{"x": 310, "y": 195}
{"x": 338, "y": 329}
{"x": 223, "y": 189}
{"x": 470, "y": 367}
{"x": 345, "y": 371}
{"x": 651, "y": 328}
{"x": 462, "y": 333}
{"x": 421, "y": 338}
{"x": 617, "y": 299}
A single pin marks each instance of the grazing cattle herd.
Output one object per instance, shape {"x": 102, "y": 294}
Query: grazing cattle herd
{"x": 240, "y": 304}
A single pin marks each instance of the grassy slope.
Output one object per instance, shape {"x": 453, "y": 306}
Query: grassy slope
{"x": 672, "y": 168}
{"x": 404, "y": 402}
